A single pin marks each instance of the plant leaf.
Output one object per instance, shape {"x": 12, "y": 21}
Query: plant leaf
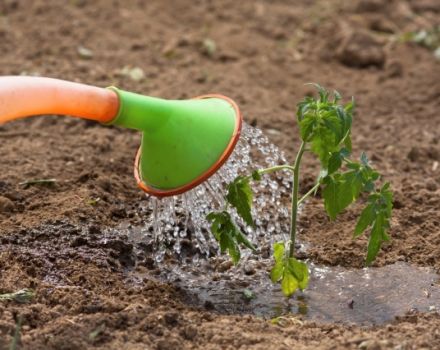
{"x": 292, "y": 273}
{"x": 228, "y": 234}
{"x": 278, "y": 251}
{"x": 300, "y": 271}
{"x": 289, "y": 284}
{"x": 377, "y": 235}
{"x": 240, "y": 197}
{"x": 366, "y": 219}
{"x": 277, "y": 272}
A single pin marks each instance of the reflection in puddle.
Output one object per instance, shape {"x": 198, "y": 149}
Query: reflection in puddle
{"x": 335, "y": 294}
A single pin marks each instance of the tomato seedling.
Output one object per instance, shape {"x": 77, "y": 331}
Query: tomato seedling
{"x": 325, "y": 131}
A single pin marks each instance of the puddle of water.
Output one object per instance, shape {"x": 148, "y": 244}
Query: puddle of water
{"x": 336, "y": 294}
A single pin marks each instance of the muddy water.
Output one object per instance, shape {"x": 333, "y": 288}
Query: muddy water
{"x": 335, "y": 294}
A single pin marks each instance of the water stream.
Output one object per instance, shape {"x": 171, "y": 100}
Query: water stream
{"x": 173, "y": 221}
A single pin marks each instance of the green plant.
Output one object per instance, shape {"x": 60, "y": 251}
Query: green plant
{"x": 325, "y": 130}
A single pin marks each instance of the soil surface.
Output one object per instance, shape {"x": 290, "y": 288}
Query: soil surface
{"x": 260, "y": 53}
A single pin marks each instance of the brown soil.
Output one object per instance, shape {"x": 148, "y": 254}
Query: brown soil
{"x": 52, "y": 236}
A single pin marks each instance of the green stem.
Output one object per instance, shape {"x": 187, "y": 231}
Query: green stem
{"x": 313, "y": 189}
{"x": 275, "y": 168}
{"x": 294, "y": 211}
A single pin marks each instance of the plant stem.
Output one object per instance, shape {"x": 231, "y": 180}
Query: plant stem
{"x": 294, "y": 211}
{"x": 313, "y": 189}
{"x": 16, "y": 338}
{"x": 276, "y": 168}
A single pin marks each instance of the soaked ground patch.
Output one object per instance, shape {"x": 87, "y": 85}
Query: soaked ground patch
{"x": 335, "y": 294}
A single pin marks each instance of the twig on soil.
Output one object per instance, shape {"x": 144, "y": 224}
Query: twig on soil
{"x": 22, "y": 296}
{"x": 44, "y": 182}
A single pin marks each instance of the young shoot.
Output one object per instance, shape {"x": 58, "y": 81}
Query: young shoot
{"x": 325, "y": 131}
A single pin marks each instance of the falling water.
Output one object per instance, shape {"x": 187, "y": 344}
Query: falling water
{"x": 172, "y": 222}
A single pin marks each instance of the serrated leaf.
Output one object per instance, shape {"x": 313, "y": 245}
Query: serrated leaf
{"x": 292, "y": 273}
{"x": 227, "y": 234}
{"x": 333, "y": 123}
{"x": 241, "y": 238}
{"x": 335, "y": 160}
{"x": 345, "y": 195}
{"x": 323, "y": 94}
{"x": 277, "y": 272}
{"x": 347, "y": 142}
{"x": 364, "y": 159}
{"x": 349, "y": 107}
{"x": 354, "y": 178}
{"x": 306, "y": 126}
{"x": 340, "y": 191}
{"x": 366, "y": 219}
{"x": 300, "y": 271}
{"x": 323, "y": 144}
{"x": 240, "y": 197}
{"x": 234, "y": 252}
{"x": 387, "y": 198}
{"x": 377, "y": 235}
{"x": 289, "y": 284}
{"x": 278, "y": 251}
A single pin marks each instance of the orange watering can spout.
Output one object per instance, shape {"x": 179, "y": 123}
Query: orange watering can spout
{"x": 27, "y": 96}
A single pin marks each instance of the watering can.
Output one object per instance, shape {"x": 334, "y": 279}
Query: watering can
{"x": 184, "y": 142}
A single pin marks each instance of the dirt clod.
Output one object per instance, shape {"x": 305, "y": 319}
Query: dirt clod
{"x": 6, "y": 205}
{"x": 361, "y": 49}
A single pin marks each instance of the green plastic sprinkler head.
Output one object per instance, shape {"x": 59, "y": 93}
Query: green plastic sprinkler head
{"x": 183, "y": 141}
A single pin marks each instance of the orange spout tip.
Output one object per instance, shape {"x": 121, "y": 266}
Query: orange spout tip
{"x": 208, "y": 173}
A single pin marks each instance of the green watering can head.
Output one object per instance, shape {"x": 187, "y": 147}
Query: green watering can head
{"x": 184, "y": 142}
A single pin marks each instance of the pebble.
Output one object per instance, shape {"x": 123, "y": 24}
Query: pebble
{"x": 6, "y": 205}
{"x": 361, "y": 49}
{"x": 431, "y": 185}
{"x": 249, "y": 268}
{"x": 224, "y": 266}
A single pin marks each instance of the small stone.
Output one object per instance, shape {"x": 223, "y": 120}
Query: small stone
{"x": 394, "y": 69}
{"x": 413, "y": 154}
{"x": 189, "y": 332}
{"x": 249, "y": 268}
{"x": 84, "y": 52}
{"x": 6, "y": 205}
{"x": 361, "y": 49}
{"x": 171, "y": 318}
{"x": 136, "y": 73}
{"x": 225, "y": 266}
{"x": 273, "y": 132}
{"x": 383, "y": 25}
{"x": 431, "y": 185}
{"x": 209, "y": 47}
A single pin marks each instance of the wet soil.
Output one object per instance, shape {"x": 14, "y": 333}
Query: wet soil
{"x": 54, "y": 237}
